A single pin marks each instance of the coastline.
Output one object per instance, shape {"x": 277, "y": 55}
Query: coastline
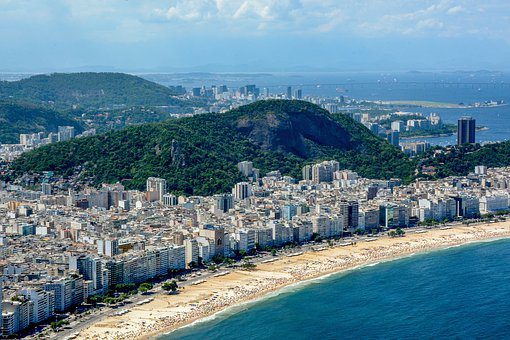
{"x": 198, "y": 303}
{"x": 436, "y": 105}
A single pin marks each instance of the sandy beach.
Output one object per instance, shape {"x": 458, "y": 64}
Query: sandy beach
{"x": 169, "y": 312}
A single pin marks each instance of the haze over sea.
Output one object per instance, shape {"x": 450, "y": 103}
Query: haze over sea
{"x": 460, "y": 292}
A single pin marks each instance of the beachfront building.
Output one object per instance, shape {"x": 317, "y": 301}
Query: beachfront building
{"x": 15, "y": 316}
{"x": 68, "y": 292}
{"x": 245, "y": 239}
{"x": 192, "y": 254}
{"x": 43, "y": 304}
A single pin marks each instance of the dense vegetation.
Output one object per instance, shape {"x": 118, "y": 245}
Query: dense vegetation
{"x": 461, "y": 160}
{"x": 89, "y": 90}
{"x": 447, "y": 129}
{"x": 105, "y": 120}
{"x": 16, "y": 118}
{"x": 198, "y": 155}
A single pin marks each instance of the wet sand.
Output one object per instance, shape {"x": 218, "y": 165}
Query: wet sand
{"x": 169, "y": 312}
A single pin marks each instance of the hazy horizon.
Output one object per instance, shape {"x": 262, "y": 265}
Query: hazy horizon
{"x": 253, "y": 35}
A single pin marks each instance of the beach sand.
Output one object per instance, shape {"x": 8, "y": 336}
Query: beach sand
{"x": 169, "y": 312}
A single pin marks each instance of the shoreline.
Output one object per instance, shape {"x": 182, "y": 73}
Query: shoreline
{"x": 435, "y": 105}
{"x": 217, "y": 295}
{"x": 302, "y": 284}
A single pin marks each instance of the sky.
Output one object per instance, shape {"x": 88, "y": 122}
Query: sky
{"x": 254, "y": 35}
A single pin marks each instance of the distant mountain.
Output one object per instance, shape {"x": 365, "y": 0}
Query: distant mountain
{"x": 198, "y": 155}
{"x": 16, "y": 118}
{"x": 89, "y": 90}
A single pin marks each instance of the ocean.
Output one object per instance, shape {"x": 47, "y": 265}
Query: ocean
{"x": 460, "y": 292}
{"x": 448, "y": 87}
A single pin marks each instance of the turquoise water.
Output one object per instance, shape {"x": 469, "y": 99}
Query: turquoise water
{"x": 461, "y": 292}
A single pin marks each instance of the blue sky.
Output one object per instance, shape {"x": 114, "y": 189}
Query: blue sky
{"x": 254, "y": 35}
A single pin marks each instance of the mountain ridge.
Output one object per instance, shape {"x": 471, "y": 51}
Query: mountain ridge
{"x": 275, "y": 134}
{"x": 17, "y": 118}
{"x": 89, "y": 89}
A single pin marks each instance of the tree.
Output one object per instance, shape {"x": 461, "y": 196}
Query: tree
{"x": 145, "y": 287}
{"x": 192, "y": 264}
{"x": 392, "y": 233}
{"x": 359, "y": 231}
{"x": 273, "y": 252}
{"x": 316, "y": 237}
{"x": 228, "y": 261}
{"x": 247, "y": 265}
{"x": 400, "y": 232}
{"x": 125, "y": 287}
{"x": 212, "y": 268}
{"x": 218, "y": 259}
{"x": 170, "y": 286}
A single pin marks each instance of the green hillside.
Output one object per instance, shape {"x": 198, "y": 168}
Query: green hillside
{"x": 198, "y": 155}
{"x": 461, "y": 160}
{"x": 16, "y": 118}
{"x": 89, "y": 90}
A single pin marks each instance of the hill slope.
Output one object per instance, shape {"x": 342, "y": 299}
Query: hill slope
{"x": 461, "y": 160}
{"x": 198, "y": 155}
{"x": 89, "y": 90}
{"x": 16, "y": 118}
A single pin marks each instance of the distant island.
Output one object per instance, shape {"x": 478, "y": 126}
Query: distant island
{"x": 445, "y": 131}
{"x": 440, "y": 105}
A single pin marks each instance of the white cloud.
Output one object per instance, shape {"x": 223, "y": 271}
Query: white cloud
{"x": 456, "y": 10}
{"x": 146, "y": 19}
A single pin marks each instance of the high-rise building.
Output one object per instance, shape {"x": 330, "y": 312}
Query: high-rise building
{"x": 108, "y": 247}
{"x": 68, "y": 292}
{"x": 46, "y": 188}
{"x": 191, "y": 252}
{"x": 65, "y": 133}
{"x": 480, "y": 170}
{"x": 323, "y": 172}
{"x": 398, "y": 125}
{"x": 245, "y": 239}
{"x": 246, "y": 168}
{"x": 307, "y": 172}
{"x": 196, "y": 92}
{"x": 169, "y": 199}
{"x": 15, "y": 316}
{"x": 156, "y": 189}
{"x": 242, "y": 190}
{"x": 298, "y": 94}
{"x": 372, "y": 191}
{"x": 217, "y": 234}
{"x": 223, "y": 203}
{"x": 289, "y": 92}
{"x": 289, "y": 211}
{"x": 393, "y": 137}
{"x": 90, "y": 268}
{"x": 466, "y": 127}
{"x": 350, "y": 214}
{"x": 43, "y": 303}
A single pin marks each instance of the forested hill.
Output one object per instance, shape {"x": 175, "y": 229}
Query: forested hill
{"x": 89, "y": 90}
{"x": 198, "y": 155}
{"x": 16, "y": 118}
{"x": 461, "y": 160}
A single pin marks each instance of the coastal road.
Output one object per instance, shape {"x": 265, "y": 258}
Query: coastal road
{"x": 198, "y": 275}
